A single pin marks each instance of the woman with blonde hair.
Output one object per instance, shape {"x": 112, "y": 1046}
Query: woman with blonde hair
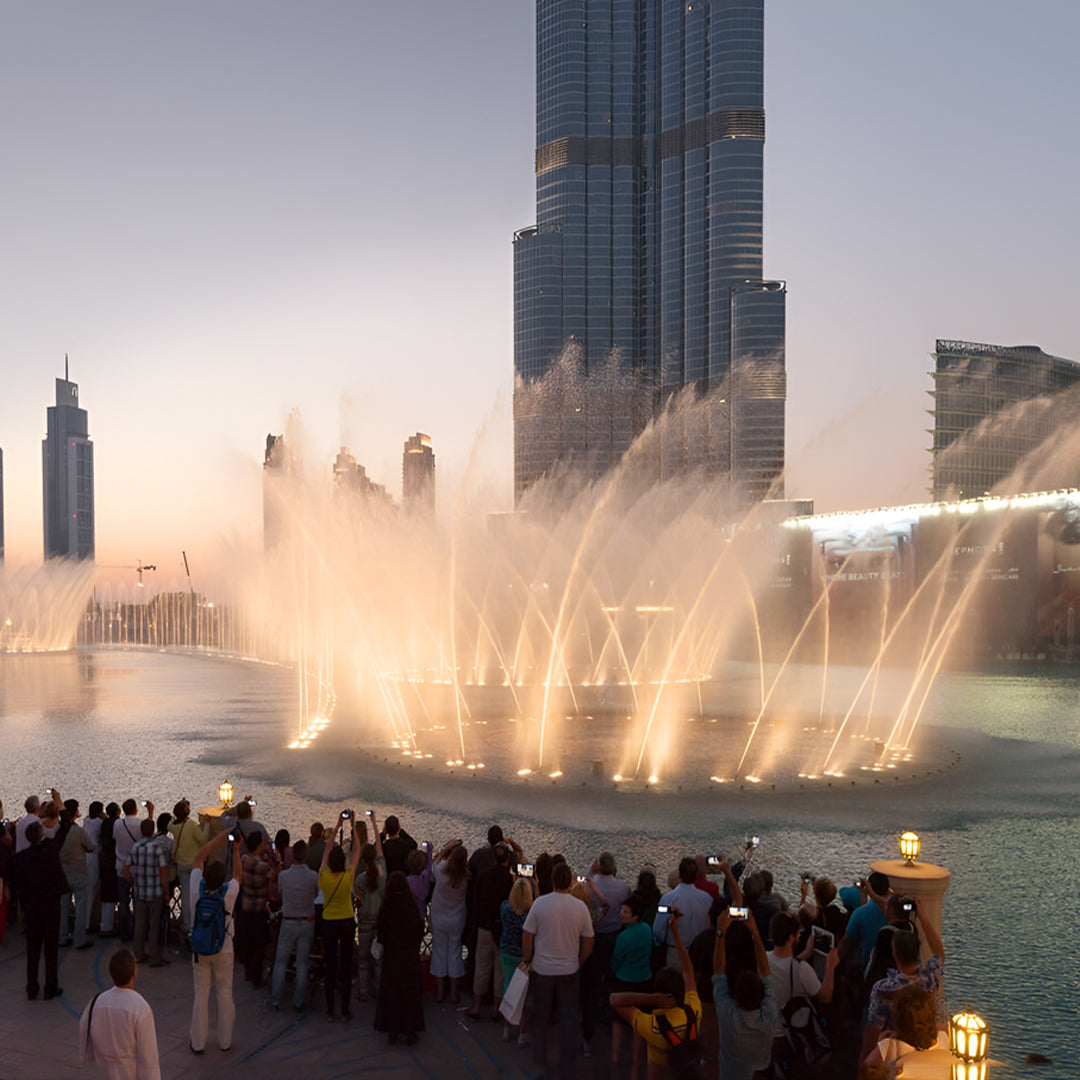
{"x": 589, "y": 977}
{"x": 512, "y": 914}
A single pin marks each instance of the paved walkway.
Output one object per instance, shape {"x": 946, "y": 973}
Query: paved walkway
{"x": 39, "y": 1039}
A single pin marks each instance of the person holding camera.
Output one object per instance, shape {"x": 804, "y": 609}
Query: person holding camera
{"x": 41, "y": 883}
{"x": 208, "y": 879}
{"x": 369, "y": 889}
{"x": 907, "y": 972}
{"x": 338, "y": 922}
{"x": 253, "y": 923}
{"x": 127, "y": 831}
{"x": 448, "y": 912}
{"x": 746, "y": 1015}
{"x": 145, "y": 872}
{"x": 298, "y": 886}
{"x": 557, "y": 939}
{"x": 868, "y": 919}
{"x": 673, "y": 1005}
{"x": 692, "y": 902}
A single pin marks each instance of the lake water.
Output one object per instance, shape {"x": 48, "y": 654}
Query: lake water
{"x": 994, "y": 791}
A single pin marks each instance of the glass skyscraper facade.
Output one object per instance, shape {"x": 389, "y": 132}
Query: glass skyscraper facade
{"x": 983, "y": 434}
{"x": 650, "y": 129}
{"x": 67, "y": 465}
{"x": 418, "y": 474}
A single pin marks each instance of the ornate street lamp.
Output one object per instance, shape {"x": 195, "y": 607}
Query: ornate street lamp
{"x": 968, "y": 1036}
{"x": 225, "y": 793}
{"x": 909, "y": 845}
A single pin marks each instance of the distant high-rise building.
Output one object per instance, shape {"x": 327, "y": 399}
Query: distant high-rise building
{"x": 418, "y": 474}
{"x": 351, "y": 476}
{"x": 974, "y": 383}
{"x": 276, "y": 470}
{"x": 644, "y": 266}
{"x": 1, "y": 507}
{"x": 67, "y": 460}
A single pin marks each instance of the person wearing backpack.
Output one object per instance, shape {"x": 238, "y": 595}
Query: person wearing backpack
{"x": 671, "y": 1028}
{"x": 212, "y": 941}
{"x": 797, "y": 1038}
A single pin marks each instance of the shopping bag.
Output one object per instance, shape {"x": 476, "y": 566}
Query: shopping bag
{"x": 513, "y": 999}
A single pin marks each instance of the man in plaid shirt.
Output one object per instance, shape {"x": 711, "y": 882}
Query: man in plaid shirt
{"x": 252, "y": 926}
{"x": 144, "y": 869}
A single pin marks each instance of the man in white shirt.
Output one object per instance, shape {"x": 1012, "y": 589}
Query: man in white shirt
{"x": 33, "y": 813}
{"x": 557, "y": 939}
{"x": 298, "y": 886}
{"x": 218, "y": 967}
{"x": 792, "y": 977}
{"x": 117, "y": 1027}
{"x": 73, "y": 859}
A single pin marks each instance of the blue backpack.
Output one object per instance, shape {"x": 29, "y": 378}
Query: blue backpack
{"x": 208, "y": 931}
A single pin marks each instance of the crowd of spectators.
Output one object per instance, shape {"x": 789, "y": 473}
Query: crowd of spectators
{"x": 704, "y": 968}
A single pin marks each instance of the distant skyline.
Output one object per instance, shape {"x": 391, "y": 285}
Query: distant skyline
{"x": 224, "y": 212}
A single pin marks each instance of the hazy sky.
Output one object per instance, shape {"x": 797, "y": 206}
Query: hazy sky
{"x": 226, "y": 211}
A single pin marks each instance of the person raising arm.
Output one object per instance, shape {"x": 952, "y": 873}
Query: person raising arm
{"x": 675, "y": 1000}
{"x": 210, "y": 847}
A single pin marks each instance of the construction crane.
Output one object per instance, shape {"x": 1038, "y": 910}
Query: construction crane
{"x": 139, "y": 567}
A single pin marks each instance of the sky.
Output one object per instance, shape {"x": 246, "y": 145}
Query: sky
{"x": 224, "y": 212}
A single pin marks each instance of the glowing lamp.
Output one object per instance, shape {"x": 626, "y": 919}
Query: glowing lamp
{"x": 909, "y": 845}
{"x": 225, "y": 793}
{"x": 968, "y": 1070}
{"x": 968, "y": 1036}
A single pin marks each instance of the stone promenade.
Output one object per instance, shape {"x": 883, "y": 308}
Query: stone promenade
{"x": 39, "y": 1039}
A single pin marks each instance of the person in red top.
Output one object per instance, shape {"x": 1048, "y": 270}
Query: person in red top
{"x": 702, "y": 882}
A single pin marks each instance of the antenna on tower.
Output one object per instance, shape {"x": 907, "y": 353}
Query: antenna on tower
{"x": 66, "y": 379}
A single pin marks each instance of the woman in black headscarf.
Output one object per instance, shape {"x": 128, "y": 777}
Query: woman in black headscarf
{"x": 400, "y": 1007}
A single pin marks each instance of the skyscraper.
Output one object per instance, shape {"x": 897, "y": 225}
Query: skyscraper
{"x": 995, "y": 407}
{"x": 350, "y": 477}
{"x": 67, "y": 466}
{"x": 277, "y": 474}
{"x": 418, "y": 474}
{"x": 646, "y": 255}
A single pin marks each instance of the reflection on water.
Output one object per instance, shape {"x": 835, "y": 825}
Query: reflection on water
{"x": 47, "y": 686}
{"x": 117, "y": 724}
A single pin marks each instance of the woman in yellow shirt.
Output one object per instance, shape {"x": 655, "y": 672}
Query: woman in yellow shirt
{"x": 338, "y": 923}
{"x": 188, "y": 837}
{"x": 675, "y": 1000}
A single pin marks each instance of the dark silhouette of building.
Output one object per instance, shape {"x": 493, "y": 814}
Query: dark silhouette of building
{"x": 418, "y": 474}
{"x": 643, "y": 271}
{"x": 67, "y": 463}
{"x": 351, "y": 477}
{"x": 994, "y": 405}
{"x": 277, "y": 469}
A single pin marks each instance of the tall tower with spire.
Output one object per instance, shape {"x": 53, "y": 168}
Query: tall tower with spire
{"x": 67, "y": 467}
{"x": 643, "y": 274}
